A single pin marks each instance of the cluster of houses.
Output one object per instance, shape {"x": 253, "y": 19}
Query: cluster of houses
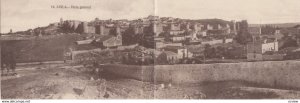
{"x": 168, "y": 36}
{"x": 166, "y": 40}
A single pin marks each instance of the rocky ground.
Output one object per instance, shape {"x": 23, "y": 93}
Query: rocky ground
{"x": 62, "y": 81}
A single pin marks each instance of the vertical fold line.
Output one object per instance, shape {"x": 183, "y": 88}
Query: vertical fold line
{"x": 154, "y": 57}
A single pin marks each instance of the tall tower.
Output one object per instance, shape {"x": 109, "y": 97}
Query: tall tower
{"x": 187, "y": 26}
{"x": 75, "y": 25}
{"x": 118, "y": 35}
{"x": 61, "y": 21}
{"x": 135, "y": 29}
{"x": 172, "y": 27}
{"x": 118, "y": 30}
{"x": 100, "y": 29}
{"x": 154, "y": 27}
{"x": 233, "y": 28}
{"x": 195, "y": 27}
{"x": 84, "y": 27}
{"x": 243, "y": 26}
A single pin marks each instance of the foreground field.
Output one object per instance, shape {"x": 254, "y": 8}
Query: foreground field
{"x": 62, "y": 81}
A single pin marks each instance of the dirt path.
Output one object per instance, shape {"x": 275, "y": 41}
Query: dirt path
{"x": 77, "y": 82}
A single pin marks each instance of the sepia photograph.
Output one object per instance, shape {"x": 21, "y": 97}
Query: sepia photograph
{"x": 150, "y": 50}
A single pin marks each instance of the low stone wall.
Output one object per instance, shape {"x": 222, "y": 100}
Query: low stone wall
{"x": 270, "y": 73}
{"x": 144, "y": 73}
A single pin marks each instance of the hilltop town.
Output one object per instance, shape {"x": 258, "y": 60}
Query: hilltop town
{"x": 151, "y": 57}
{"x": 167, "y": 40}
{"x": 90, "y": 50}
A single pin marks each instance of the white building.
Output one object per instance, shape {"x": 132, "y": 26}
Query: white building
{"x": 255, "y": 50}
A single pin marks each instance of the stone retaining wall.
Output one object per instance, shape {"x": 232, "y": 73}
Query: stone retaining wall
{"x": 270, "y": 73}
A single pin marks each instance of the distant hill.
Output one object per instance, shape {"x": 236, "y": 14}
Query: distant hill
{"x": 212, "y": 21}
{"x": 280, "y": 25}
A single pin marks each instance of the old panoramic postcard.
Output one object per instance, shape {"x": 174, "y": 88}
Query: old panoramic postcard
{"x": 150, "y": 49}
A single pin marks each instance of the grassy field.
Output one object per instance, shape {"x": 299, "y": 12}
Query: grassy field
{"x": 38, "y": 50}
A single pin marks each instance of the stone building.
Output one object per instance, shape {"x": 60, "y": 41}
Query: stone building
{"x": 181, "y": 51}
{"x": 111, "y": 40}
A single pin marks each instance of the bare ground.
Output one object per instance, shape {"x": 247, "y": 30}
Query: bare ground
{"x": 76, "y": 82}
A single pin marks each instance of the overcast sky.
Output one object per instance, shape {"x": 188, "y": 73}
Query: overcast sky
{"x": 25, "y": 14}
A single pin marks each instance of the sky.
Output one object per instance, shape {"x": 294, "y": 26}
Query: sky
{"x": 25, "y": 14}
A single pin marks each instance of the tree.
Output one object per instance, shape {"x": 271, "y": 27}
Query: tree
{"x": 220, "y": 52}
{"x": 243, "y": 37}
{"x": 289, "y": 42}
{"x": 129, "y": 37}
{"x": 206, "y": 49}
